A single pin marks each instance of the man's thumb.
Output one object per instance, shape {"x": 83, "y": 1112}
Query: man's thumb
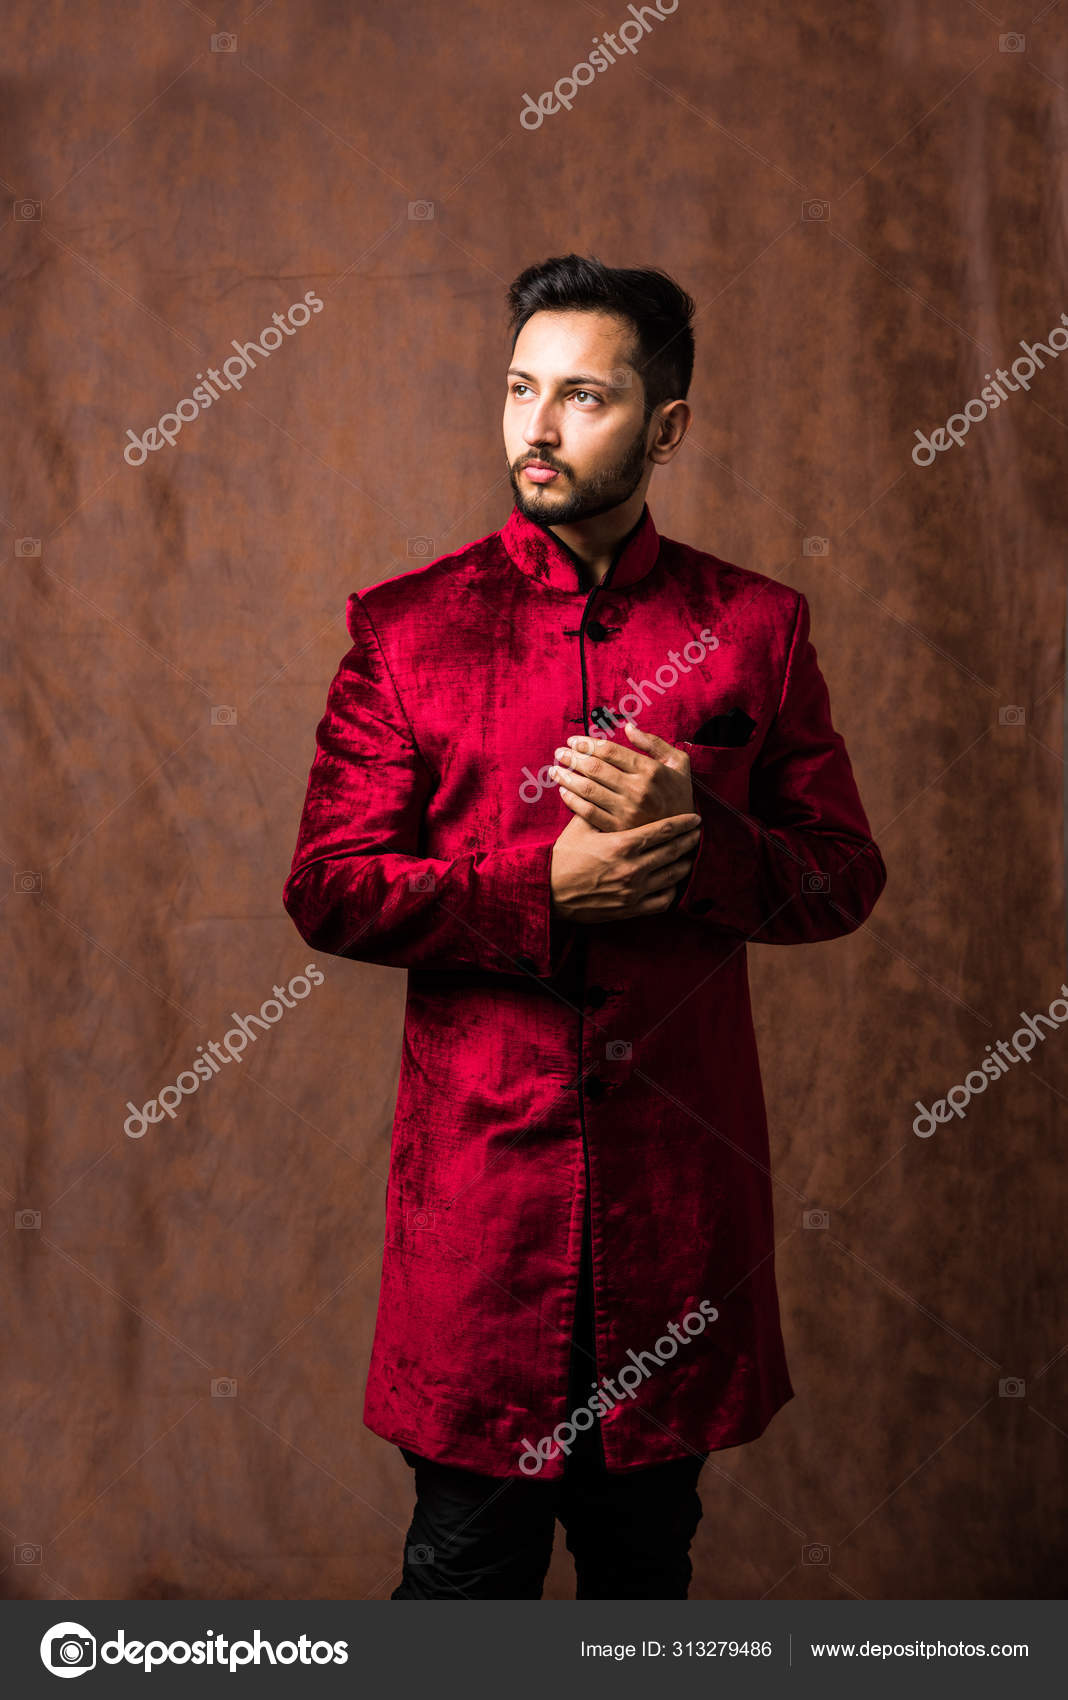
{"x": 650, "y": 743}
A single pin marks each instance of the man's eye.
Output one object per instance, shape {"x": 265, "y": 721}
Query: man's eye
{"x": 516, "y": 387}
{"x": 588, "y": 394}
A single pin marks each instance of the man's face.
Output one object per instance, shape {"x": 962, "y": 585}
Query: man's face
{"x": 575, "y": 404}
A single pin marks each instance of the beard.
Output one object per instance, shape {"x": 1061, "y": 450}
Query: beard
{"x": 584, "y": 498}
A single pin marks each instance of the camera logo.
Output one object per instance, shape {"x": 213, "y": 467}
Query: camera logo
{"x": 68, "y": 1649}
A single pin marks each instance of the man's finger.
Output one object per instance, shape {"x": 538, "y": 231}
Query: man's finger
{"x": 580, "y": 763}
{"x": 672, "y": 874}
{"x": 662, "y": 831}
{"x": 588, "y": 810}
{"x": 605, "y": 750}
{"x": 665, "y": 852}
{"x": 650, "y": 743}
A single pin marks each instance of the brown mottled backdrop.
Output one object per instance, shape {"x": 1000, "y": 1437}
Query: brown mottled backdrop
{"x": 867, "y": 202}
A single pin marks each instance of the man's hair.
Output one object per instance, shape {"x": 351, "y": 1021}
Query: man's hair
{"x": 655, "y": 305}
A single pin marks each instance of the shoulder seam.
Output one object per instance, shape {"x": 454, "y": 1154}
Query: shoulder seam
{"x": 791, "y": 650}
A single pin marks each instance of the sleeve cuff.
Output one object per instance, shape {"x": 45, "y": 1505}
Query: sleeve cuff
{"x": 723, "y": 879}
{"x": 544, "y": 939}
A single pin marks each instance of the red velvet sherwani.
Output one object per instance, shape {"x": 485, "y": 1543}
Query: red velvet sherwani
{"x": 545, "y": 1062}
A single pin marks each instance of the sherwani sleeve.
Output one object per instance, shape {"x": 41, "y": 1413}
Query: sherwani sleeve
{"x": 360, "y": 886}
{"x": 802, "y": 866}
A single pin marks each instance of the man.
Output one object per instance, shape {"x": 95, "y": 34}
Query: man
{"x": 564, "y": 775}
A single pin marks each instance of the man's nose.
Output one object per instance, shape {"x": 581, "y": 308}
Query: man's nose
{"x": 541, "y": 428}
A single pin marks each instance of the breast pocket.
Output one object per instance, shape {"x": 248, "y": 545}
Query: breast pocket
{"x": 721, "y": 769}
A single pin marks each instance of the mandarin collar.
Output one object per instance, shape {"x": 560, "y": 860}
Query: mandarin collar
{"x": 539, "y": 553}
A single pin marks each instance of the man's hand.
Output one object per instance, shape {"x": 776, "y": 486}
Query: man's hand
{"x": 613, "y": 788}
{"x": 602, "y": 875}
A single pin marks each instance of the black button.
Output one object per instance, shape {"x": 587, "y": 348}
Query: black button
{"x": 596, "y": 996}
{"x": 701, "y": 905}
{"x": 596, "y": 631}
{"x": 595, "y": 1087}
{"x": 603, "y": 718}
{"x": 527, "y": 962}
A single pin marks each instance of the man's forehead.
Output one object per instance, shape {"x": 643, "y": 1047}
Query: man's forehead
{"x": 578, "y": 341}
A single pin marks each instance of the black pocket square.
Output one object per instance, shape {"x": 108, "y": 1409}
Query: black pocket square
{"x": 733, "y": 728}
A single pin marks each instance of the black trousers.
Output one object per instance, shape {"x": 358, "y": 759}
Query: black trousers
{"x": 479, "y": 1537}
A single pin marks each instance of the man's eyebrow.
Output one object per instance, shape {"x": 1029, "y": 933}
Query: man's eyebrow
{"x": 574, "y": 378}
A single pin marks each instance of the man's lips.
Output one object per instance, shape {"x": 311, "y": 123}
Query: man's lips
{"x": 538, "y": 473}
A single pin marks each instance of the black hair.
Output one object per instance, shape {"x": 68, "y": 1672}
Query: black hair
{"x": 659, "y": 310}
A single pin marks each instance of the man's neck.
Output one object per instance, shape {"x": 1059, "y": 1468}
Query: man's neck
{"x": 596, "y": 541}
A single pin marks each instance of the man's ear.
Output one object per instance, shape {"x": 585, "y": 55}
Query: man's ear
{"x": 674, "y": 422}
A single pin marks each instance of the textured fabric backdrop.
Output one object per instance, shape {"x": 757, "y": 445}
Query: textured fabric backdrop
{"x": 866, "y": 201}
